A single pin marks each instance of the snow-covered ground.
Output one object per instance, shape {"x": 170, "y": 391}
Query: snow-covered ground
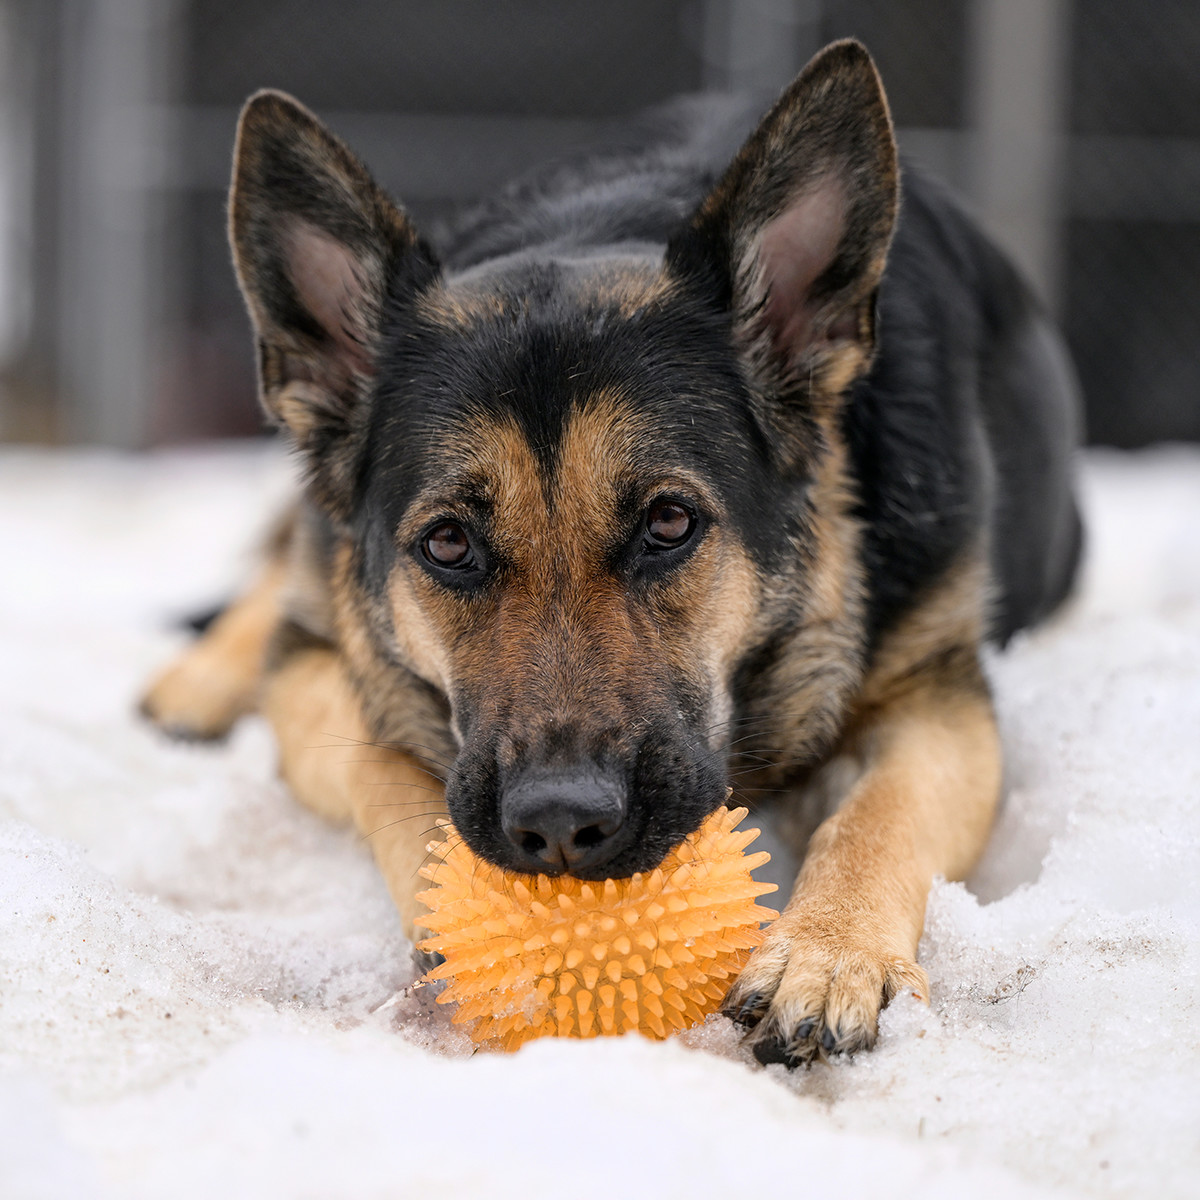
{"x": 200, "y": 982}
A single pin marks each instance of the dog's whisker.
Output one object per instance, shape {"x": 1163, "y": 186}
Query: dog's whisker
{"x": 750, "y": 755}
{"x": 398, "y": 782}
{"x": 403, "y": 803}
{"x": 408, "y": 765}
{"x": 429, "y": 753}
{"x": 399, "y": 821}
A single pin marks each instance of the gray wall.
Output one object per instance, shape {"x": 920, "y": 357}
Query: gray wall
{"x": 1072, "y": 128}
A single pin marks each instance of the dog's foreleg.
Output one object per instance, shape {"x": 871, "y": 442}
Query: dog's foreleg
{"x": 847, "y": 940}
{"x": 331, "y": 763}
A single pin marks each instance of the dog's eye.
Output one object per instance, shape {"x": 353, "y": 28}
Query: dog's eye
{"x": 668, "y": 524}
{"x": 447, "y": 545}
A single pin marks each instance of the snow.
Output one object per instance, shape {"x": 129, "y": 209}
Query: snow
{"x": 202, "y": 986}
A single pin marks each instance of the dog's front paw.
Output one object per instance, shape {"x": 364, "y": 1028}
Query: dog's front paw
{"x": 812, "y": 990}
{"x": 200, "y": 695}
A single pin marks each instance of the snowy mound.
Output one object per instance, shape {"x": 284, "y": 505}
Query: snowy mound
{"x": 202, "y": 985}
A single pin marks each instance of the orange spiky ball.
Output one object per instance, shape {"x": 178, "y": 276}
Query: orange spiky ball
{"x": 531, "y": 956}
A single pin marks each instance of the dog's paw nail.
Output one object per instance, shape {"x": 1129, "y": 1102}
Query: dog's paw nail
{"x": 804, "y": 1029}
{"x": 750, "y": 1011}
{"x": 828, "y": 1040}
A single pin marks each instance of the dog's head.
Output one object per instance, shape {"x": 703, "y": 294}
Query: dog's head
{"x": 574, "y": 489}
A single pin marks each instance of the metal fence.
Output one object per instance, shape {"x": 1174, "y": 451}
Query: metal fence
{"x": 1073, "y": 129}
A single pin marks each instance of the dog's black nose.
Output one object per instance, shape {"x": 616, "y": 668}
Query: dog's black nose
{"x": 563, "y": 821}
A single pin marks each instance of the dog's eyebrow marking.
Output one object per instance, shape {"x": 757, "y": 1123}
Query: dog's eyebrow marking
{"x": 498, "y": 474}
{"x": 600, "y": 469}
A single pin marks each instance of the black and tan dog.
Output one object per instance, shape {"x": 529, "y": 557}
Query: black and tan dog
{"x": 663, "y": 471}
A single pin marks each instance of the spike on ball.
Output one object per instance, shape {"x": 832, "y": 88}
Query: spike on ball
{"x": 534, "y": 956}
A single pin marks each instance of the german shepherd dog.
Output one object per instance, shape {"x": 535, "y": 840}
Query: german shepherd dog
{"x": 679, "y": 466}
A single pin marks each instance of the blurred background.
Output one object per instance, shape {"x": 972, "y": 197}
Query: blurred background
{"x": 1072, "y": 129}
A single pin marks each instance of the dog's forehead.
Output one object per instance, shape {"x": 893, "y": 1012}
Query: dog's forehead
{"x": 540, "y": 380}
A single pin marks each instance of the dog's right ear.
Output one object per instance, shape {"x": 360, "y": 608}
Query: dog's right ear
{"x": 793, "y": 239}
{"x": 319, "y": 247}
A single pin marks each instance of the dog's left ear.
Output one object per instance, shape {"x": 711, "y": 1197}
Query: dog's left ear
{"x": 794, "y": 237}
